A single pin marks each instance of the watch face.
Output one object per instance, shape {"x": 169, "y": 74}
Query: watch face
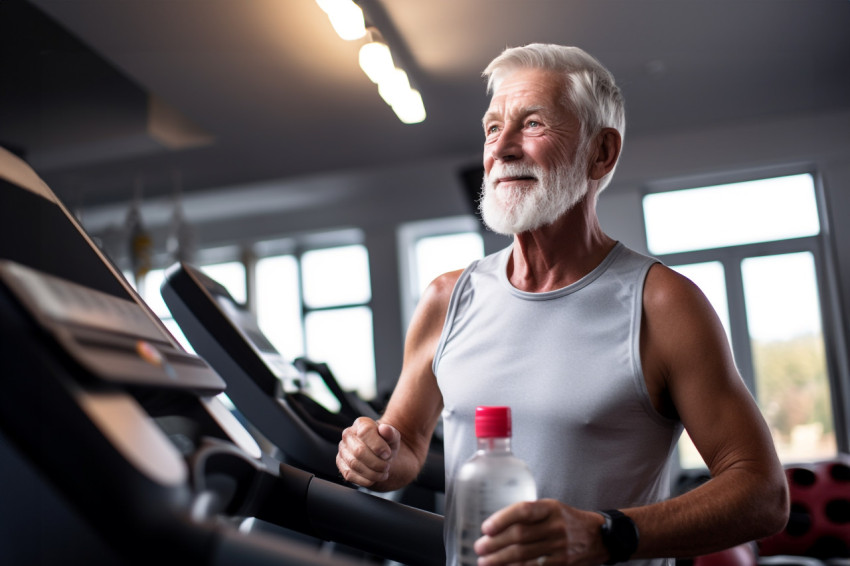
{"x": 619, "y": 535}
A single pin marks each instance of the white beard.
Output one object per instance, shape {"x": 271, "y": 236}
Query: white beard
{"x": 515, "y": 210}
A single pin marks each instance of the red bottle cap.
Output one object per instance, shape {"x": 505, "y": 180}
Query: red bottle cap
{"x": 491, "y": 422}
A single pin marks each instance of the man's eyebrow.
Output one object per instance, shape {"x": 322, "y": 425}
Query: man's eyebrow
{"x": 532, "y": 109}
{"x": 489, "y": 115}
{"x": 524, "y": 111}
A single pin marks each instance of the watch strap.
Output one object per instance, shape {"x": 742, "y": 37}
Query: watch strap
{"x": 619, "y": 535}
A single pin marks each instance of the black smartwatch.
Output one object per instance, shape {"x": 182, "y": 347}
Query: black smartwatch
{"x": 619, "y": 535}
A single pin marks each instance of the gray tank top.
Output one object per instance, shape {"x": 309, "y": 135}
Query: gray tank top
{"x": 567, "y": 362}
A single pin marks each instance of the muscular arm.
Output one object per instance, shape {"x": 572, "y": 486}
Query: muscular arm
{"x": 690, "y": 369}
{"x": 414, "y": 408}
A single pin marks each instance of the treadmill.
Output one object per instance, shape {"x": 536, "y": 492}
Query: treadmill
{"x": 259, "y": 378}
{"x": 121, "y": 434}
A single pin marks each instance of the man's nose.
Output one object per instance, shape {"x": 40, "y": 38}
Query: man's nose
{"x": 508, "y": 147}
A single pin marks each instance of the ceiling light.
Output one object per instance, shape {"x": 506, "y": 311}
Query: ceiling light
{"x": 409, "y": 107}
{"x": 393, "y": 85}
{"x": 406, "y": 102}
{"x": 346, "y": 18}
{"x": 376, "y": 60}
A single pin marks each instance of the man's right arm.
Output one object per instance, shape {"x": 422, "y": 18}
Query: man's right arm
{"x": 388, "y": 454}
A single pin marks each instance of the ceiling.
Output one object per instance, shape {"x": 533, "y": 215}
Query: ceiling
{"x": 104, "y": 97}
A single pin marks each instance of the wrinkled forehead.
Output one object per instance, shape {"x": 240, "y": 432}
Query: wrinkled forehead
{"x": 524, "y": 89}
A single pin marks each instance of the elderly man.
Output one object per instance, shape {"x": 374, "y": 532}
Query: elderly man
{"x": 603, "y": 354}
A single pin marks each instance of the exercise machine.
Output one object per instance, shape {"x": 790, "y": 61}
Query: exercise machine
{"x": 124, "y": 432}
{"x": 259, "y": 378}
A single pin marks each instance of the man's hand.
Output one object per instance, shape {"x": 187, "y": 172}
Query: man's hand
{"x": 542, "y": 532}
{"x": 366, "y": 452}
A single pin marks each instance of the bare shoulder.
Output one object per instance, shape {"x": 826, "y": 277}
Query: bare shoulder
{"x": 427, "y": 322}
{"x": 679, "y": 328}
{"x": 435, "y": 299}
{"x": 667, "y": 289}
{"x": 673, "y": 303}
{"x": 443, "y": 285}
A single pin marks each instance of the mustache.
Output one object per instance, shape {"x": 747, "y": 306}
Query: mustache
{"x": 501, "y": 170}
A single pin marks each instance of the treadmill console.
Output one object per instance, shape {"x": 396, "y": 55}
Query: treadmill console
{"x": 114, "y": 338}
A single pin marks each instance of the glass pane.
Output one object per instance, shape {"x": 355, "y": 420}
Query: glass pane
{"x": 231, "y": 274}
{"x": 336, "y": 276}
{"x": 792, "y": 386}
{"x": 436, "y": 255}
{"x": 342, "y": 338}
{"x": 733, "y": 214}
{"x": 279, "y": 304}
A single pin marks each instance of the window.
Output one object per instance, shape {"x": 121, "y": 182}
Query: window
{"x": 733, "y": 214}
{"x": 313, "y": 303}
{"x": 337, "y": 318}
{"x": 279, "y": 300}
{"x": 786, "y": 333}
{"x": 316, "y": 304}
{"x": 754, "y": 249}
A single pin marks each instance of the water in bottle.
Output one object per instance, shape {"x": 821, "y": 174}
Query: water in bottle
{"x": 490, "y": 480}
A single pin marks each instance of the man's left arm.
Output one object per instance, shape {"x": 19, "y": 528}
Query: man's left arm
{"x": 686, "y": 352}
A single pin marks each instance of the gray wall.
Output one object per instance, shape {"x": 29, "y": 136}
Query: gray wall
{"x": 378, "y": 201}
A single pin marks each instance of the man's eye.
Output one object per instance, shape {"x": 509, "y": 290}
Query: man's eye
{"x": 533, "y": 124}
{"x": 492, "y": 129}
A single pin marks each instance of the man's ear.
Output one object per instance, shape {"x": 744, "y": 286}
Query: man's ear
{"x": 606, "y": 151}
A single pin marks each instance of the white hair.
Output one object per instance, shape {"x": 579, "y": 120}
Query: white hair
{"x": 590, "y": 90}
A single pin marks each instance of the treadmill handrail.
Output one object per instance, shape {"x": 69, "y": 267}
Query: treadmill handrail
{"x": 292, "y": 498}
{"x": 349, "y": 516}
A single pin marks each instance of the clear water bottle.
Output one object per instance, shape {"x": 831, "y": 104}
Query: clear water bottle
{"x": 490, "y": 480}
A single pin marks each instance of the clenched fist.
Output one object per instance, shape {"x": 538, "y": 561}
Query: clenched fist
{"x": 366, "y": 452}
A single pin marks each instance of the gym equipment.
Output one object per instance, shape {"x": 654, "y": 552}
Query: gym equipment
{"x": 124, "y": 429}
{"x": 819, "y": 523}
{"x": 228, "y": 337}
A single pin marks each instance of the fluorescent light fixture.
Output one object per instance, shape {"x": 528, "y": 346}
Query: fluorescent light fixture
{"x": 409, "y": 107}
{"x": 376, "y": 61}
{"x": 393, "y": 86}
{"x": 346, "y": 18}
{"x": 405, "y": 101}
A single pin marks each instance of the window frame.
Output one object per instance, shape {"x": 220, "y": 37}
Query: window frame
{"x": 299, "y": 245}
{"x": 250, "y": 253}
{"x": 731, "y": 258}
